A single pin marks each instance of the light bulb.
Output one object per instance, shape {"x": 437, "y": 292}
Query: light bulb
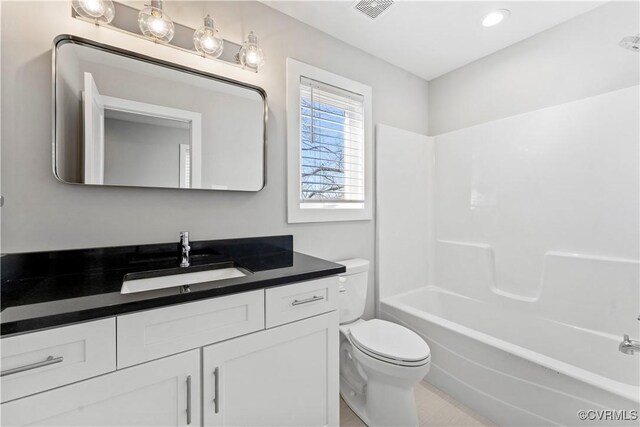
{"x": 251, "y": 55}
{"x": 158, "y": 27}
{"x": 208, "y": 43}
{"x": 155, "y": 23}
{"x": 495, "y": 17}
{"x": 97, "y": 10}
{"x": 93, "y": 7}
{"x": 206, "y": 39}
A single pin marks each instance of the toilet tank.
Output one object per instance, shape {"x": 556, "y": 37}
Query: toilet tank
{"x": 353, "y": 289}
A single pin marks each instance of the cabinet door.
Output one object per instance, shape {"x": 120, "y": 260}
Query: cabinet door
{"x": 285, "y": 376}
{"x": 165, "y": 392}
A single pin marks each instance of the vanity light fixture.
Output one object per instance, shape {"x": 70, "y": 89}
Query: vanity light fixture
{"x": 250, "y": 55}
{"x": 100, "y": 11}
{"x": 206, "y": 39}
{"x": 155, "y": 23}
{"x": 495, "y": 17}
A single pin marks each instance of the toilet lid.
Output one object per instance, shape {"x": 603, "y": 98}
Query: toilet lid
{"x": 390, "y": 340}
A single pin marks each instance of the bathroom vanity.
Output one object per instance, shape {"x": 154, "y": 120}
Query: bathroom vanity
{"x": 261, "y": 349}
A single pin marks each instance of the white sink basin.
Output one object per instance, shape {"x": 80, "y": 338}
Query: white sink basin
{"x": 180, "y": 279}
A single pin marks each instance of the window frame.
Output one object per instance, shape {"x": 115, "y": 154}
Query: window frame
{"x": 332, "y": 211}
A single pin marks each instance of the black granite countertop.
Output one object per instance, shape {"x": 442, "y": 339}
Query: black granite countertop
{"x": 45, "y": 289}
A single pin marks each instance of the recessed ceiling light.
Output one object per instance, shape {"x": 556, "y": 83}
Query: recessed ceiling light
{"x": 495, "y": 17}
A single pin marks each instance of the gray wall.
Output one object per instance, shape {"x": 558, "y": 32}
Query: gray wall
{"x": 41, "y": 213}
{"x": 574, "y": 60}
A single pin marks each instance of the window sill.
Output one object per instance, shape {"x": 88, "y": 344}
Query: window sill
{"x": 302, "y": 214}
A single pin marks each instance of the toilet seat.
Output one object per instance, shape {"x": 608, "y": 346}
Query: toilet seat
{"x": 397, "y": 362}
{"x": 390, "y": 343}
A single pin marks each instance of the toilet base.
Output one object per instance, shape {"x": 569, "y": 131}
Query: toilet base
{"x": 355, "y": 401}
{"x": 385, "y": 409}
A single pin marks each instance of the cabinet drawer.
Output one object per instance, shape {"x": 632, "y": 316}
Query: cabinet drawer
{"x": 157, "y": 333}
{"x": 289, "y": 303}
{"x": 39, "y": 361}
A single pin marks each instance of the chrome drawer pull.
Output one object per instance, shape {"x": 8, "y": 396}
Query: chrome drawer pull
{"x": 216, "y": 390}
{"x": 308, "y": 300}
{"x": 48, "y": 361}
{"x": 189, "y": 400}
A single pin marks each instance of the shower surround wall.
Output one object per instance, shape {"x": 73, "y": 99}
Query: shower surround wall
{"x": 536, "y": 261}
{"x": 542, "y": 210}
{"x": 535, "y": 225}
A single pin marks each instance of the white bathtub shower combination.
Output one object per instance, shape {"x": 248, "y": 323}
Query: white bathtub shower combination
{"x": 520, "y": 248}
{"x": 517, "y": 369}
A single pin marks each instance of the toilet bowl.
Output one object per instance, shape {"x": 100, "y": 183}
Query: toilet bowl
{"x": 380, "y": 361}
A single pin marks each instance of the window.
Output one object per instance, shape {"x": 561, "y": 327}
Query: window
{"x": 329, "y": 146}
{"x": 185, "y": 166}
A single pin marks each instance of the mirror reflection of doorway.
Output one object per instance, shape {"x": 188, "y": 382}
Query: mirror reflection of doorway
{"x": 93, "y": 110}
{"x": 133, "y": 143}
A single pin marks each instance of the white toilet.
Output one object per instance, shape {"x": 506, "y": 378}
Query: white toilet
{"x": 380, "y": 361}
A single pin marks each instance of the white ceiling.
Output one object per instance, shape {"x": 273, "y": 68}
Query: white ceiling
{"x": 430, "y": 38}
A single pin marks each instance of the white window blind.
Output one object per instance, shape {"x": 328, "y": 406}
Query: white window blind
{"x": 185, "y": 166}
{"x": 332, "y": 170}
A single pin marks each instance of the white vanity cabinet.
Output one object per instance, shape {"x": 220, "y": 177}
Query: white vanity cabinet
{"x": 264, "y": 358}
{"x": 165, "y": 392}
{"x": 285, "y": 376}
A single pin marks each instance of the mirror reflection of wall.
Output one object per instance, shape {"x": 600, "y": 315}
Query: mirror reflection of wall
{"x": 122, "y": 121}
{"x": 146, "y": 154}
{"x": 138, "y": 144}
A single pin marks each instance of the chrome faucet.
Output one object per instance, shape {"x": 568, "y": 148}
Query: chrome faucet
{"x": 629, "y": 346}
{"x": 184, "y": 243}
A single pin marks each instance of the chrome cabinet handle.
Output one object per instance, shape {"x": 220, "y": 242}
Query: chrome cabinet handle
{"x": 48, "y": 361}
{"x": 216, "y": 399}
{"x": 308, "y": 300}
{"x": 189, "y": 400}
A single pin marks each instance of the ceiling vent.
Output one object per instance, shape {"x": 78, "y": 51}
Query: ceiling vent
{"x": 373, "y": 8}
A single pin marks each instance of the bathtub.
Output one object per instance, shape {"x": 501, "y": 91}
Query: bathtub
{"x": 519, "y": 368}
